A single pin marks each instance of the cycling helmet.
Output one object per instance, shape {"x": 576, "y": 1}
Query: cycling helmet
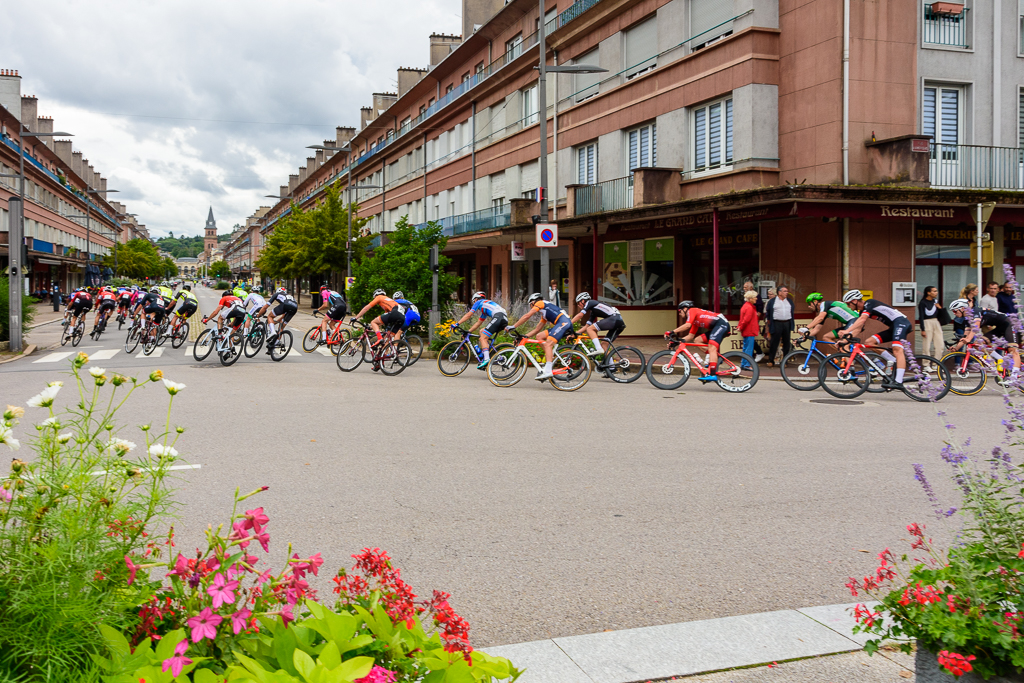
{"x": 582, "y": 296}
{"x": 534, "y": 298}
{"x": 228, "y": 292}
{"x": 154, "y": 290}
{"x": 398, "y": 295}
{"x": 479, "y": 295}
{"x": 959, "y": 304}
{"x": 815, "y": 296}
{"x": 380, "y": 292}
{"x": 852, "y": 295}
{"x": 282, "y": 290}
{"x": 187, "y": 288}
{"x": 687, "y": 304}
{"x": 323, "y": 287}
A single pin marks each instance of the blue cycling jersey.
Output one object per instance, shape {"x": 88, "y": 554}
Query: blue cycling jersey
{"x": 550, "y": 311}
{"x": 412, "y": 314}
{"x": 487, "y": 309}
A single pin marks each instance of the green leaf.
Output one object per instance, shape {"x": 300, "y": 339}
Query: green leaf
{"x": 330, "y": 656}
{"x": 165, "y": 648}
{"x": 357, "y": 667}
{"x": 115, "y": 640}
{"x": 303, "y": 664}
{"x": 206, "y": 676}
{"x": 356, "y": 643}
{"x": 284, "y": 646}
{"x": 254, "y": 667}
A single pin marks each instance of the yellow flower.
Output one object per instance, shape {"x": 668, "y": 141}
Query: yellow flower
{"x": 81, "y": 359}
{"x": 156, "y": 376}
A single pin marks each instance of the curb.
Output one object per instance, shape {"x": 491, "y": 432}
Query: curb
{"x": 28, "y": 351}
{"x": 48, "y": 322}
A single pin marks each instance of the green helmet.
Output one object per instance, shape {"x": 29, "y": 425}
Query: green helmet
{"x": 815, "y": 296}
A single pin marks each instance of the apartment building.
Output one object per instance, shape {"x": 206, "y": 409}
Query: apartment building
{"x": 244, "y": 247}
{"x": 820, "y": 144}
{"x": 69, "y": 223}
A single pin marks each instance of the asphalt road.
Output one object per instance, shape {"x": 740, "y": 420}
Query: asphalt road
{"x": 549, "y": 514}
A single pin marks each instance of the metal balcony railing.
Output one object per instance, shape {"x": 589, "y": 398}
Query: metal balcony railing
{"x": 945, "y": 29}
{"x": 607, "y": 196}
{"x": 491, "y": 218}
{"x": 976, "y": 166}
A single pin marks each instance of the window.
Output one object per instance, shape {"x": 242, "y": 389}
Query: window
{"x": 945, "y": 23}
{"x": 588, "y": 85}
{"x": 449, "y": 88}
{"x": 586, "y": 164}
{"x": 406, "y": 121}
{"x": 549, "y": 16}
{"x": 514, "y": 48}
{"x": 530, "y": 110}
{"x": 642, "y": 146}
{"x": 712, "y": 136}
{"x": 943, "y": 114}
{"x": 641, "y": 48}
{"x": 465, "y": 77}
{"x": 497, "y": 202}
{"x": 710, "y": 20}
{"x": 1020, "y": 119}
{"x": 479, "y": 68}
{"x": 423, "y": 108}
{"x": 638, "y": 272}
{"x": 529, "y": 194}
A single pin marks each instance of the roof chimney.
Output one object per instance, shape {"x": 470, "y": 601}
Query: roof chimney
{"x": 476, "y": 13}
{"x": 29, "y": 111}
{"x": 44, "y": 124}
{"x": 319, "y": 158}
{"x": 283, "y": 191}
{"x": 381, "y": 102}
{"x": 344, "y": 134}
{"x": 408, "y": 77}
{"x": 63, "y": 150}
{"x": 293, "y": 180}
{"x": 77, "y": 165}
{"x": 10, "y": 92}
{"x": 365, "y": 116}
{"x": 442, "y": 45}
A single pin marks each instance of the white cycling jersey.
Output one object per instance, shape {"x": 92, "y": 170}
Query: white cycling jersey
{"x": 254, "y": 302}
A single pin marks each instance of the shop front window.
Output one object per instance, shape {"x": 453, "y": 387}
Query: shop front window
{"x": 947, "y": 267}
{"x": 638, "y": 272}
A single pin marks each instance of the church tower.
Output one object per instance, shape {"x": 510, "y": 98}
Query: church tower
{"x": 210, "y": 240}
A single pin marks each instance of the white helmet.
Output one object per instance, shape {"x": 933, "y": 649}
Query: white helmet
{"x": 582, "y": 296}
{"x": 959, "y": 304}
{"x": 852, "y": 295}
{"x": 478, "y": 296}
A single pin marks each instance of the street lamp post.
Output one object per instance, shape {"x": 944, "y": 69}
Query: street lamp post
{"x": 16, "y": 239}
{"x": 120, "y": 215}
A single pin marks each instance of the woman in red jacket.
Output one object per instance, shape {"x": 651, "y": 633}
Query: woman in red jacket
{"x": 748, "y": 322}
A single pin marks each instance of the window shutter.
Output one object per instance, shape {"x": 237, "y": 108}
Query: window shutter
{"x": 592, "y": 162}
{"x": 928, "y": 122}
{"x": 581, "y": 175}
{"x": 530, "y": 174}
{"x": 586, "y": 85}
{"x": 587, "y": 162}
{"x": 1020, "y": 121}
{"x": 498, "y": 185}
{"x": 728, "y": 131}
{"x": 705, "y": 16}
{"x": 641, "y": 46}
{"x": 700, "y": 138}
{"x": 714, "y": 134}
{"x": 634, "y": 149}
{"x": 654, "y": 144}
{"x": 950, "y": 116}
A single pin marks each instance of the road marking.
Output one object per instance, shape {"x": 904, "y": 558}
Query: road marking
{"x": 104, "y": 354}
{"x": 157, "y": 352}
{"x": 324, "y": 351}
{"x": 146, "y": 469}
{"x": 54, "y": 357}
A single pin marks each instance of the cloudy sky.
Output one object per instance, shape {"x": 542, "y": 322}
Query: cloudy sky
{"x": 187, "y": 104}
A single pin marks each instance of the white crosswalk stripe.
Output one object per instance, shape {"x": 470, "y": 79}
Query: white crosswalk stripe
{"x": 324, "y": 351}
{"x": 157, "y": 352}
{"x": 54, "y": 357}
{"x": 104, "y": 354}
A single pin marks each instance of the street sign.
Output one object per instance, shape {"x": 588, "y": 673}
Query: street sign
{"x": 518, "y": 251}
{"x": 349, "y": 281}
{"x": 547, "y": 234}
{"x": 986, "y": 254}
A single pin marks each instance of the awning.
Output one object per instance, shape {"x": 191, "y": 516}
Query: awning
{"x": 49, "y": 262}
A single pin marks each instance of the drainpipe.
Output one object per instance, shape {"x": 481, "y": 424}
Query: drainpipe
{"x": 997, "y": 67}
{"x": 425, "y": 212}
{"x": 472, "y": 149}
{"x": 554, "y": 132}
{"x": 846, "y": 138}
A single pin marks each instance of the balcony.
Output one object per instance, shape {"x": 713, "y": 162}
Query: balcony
{"x": 492, "y": 218}
{"x": 945, "y": 23}
{"x": 976, "y": 166}
{"x": 611, "y": 195}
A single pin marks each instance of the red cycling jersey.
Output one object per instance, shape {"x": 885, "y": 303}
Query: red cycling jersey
{"x": 228, "y": 301}
{"x": 699, "y": 319}
{"x": 81, "y": 296}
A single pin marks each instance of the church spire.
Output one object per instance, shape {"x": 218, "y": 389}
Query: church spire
{"x": 209, "y": 219}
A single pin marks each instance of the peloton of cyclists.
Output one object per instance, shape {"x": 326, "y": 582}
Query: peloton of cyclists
{"x": 898, "y": 327}
{"x": 1000, "y": 332}
{"x": 485, "y": 308}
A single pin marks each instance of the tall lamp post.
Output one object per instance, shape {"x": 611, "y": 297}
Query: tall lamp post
{"x": 117, "y": 241}
{"x": 542, "y": 106}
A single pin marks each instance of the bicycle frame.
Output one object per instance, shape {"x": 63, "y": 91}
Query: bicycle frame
{"x": 521, "y": 349}
{"x": 376, "y": 349}
{"x": 683, "y": 348}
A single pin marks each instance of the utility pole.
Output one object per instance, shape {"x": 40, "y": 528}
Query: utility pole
{"x": 435, "y": 255}
{"x": 542, "y": 105}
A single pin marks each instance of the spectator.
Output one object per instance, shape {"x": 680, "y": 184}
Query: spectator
{"x": 931, "y": 328}
{"x": 748, "y": 286}
{"x": 970, "y": 292}
{"x": 989, "y": 302}
{"x": 748, "y": 323}
{"x": 1007, "y": 300}
{"x": 778, "y": 315}
{"x": 553, "y": 294}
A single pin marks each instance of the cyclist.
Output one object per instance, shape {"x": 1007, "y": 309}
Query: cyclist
{"x": 284, "y": 311}
{"x": 79, "y": 304}
{"x": 230, "y": 309}
{"x": 255, "y": 304}
{"x": 560, "y": 326}
{"x": 153, "y": 305}
{"x": 697, "y": 321}
{"x": 897, "y": 324}
{"x": 486, "y": 308}
{"x": 106, "y": 301}
{"x": 394, "y": 313}
{"x": 239, "y": 291}
{"x": 124, "y": 300}
{"x": 335, "y": 306}
{"x": 1000, "y": 334}
{"x": 412, "y": 314}
{"x": 189, "y": 302}
{"x": 602, "y": 318}
{"x": 166, "y": 292}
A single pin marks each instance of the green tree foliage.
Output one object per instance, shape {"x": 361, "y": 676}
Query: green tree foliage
{"x": 181, "y": 246}
{"x": 168, "y": 267}
{"x": 220, "y": 269}
{"x": 404, "y": 263}
{"x": 27, "y": 312}
{"x": 137, "y": 259}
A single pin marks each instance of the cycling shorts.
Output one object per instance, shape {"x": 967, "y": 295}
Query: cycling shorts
{"x": 1002, "y": 332}
{"x": 898, "y": 332}
{"x": 79, "y": 306}
{"x": 157, "y": 312}
{"x": 718, "y": 332}
{"x": 560, "y": 329}
{"x": 288, "y": 310}
{"x": 187, "y": 309}
{"x": 498, "y": 323}
{"x": 107, "y": 305}
{"x": 393, "y": 320}
{"x": 236, "y": 314}
{"x": 613, "y": 325}
{"x": 337, "y": 312}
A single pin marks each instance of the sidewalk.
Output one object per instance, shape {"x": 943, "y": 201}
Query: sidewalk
{"x": 805, "y": 640}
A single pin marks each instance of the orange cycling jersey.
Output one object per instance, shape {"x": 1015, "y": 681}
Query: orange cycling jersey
{"x": 387, "y": 304}
{"x": 698, "y": 318}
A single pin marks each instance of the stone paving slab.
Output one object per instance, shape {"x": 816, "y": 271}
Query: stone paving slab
{"x": 839, "y": 618}
{"x": 543, "y": 661}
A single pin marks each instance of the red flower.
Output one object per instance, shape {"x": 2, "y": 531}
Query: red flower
{"x": 956, "y": 664}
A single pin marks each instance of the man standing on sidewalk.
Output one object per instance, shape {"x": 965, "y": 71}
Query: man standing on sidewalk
{"x": 779, "y": 313}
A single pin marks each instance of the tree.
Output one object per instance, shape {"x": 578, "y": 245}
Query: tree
{"x": 220, "y": 269}
{"x": 136, "y": 259}
{"x": 404, "y": 264}
{"x": 169, "y": 267}
{"x": 27, "y": 312}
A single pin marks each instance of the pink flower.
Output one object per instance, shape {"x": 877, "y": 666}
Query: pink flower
{"x": 179, "y": 661}
{"x": 180, "y": 567}
{"x": 285, "y": 613}
{"x": 264, "y": 577}
{"x": 264, "y": 539}
{"x": 222, "y": 591}
{"x": 238, "y": 620}
{"x": 251, "y": 559}
{"x": 235, "y": 570}
{"x": 132, "y": 568}
{"x": 378, "y": 674}
{"x": 255, "y": 519}
{"x": 314, "y": 563}
{"x": 204, "y": 625}
{"x": 213, "y": 564}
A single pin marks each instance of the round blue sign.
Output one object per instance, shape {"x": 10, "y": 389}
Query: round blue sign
{"x": 546, "y": 235}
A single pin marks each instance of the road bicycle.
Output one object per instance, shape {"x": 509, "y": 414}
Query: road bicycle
{"x": 800, "y": 366}
{"x": 570, "y": 369}
{"x": 75, "y": 333}
{"x": 334, "y": 339}
{"x": 255, "y": 336}
{"x": 122, "y": 316}
{"x": 454, "y": 357}
{"x": 101, "y": 326}
{"x": 279, "y": 344}
{"x": 228, "y": 343}
{"x": 141, "y": 331}
{"x": 969, "y": 370}
{"x": 737, "y": 372}
{"x": 415, "y": 343}
{"x": 388, "y": 355}
{"x": 847, "y": 374}
{"x": 623, "y": 364}
{"x": 179, "y": 331}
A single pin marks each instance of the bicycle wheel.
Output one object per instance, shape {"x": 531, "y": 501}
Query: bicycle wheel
{"x": 254, "y": 340}
{"x": 350, "y": 355}
{"x": 204, "y": 344}
{"x": 76, "y": 334}
{"x": 415, "y": 347}
{"x": 840, "y": 381}
{"x": 131, "y": 342}
{"x": 120, "y": 321}
{"x": 507, "y": 368}
{"x": 571, "y": 370}
{"x": 150, "y": 342}
{"x": 396, "y": 356}
{"x": 665, "y": 375}
{"x": 231, "y": 354}
{"x": 965, "y": 378}
{"x": 282, "y": 346}
{"x": 162, "y": 333}
{"x": 311, "y": 340}
{"x": 927, "y": 388}
{"x": 179, "y": 336}
{"x": 624, "y": 364}
{"x": 742, "y": 372}
{"x": 800, "y": 370}
{"x": 64, "y": 336}
{"x": 874, "y": 362}
{"x": 453, "y": 358}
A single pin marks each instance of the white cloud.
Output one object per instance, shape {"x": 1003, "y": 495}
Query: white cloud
{"x": 211, "y": 86}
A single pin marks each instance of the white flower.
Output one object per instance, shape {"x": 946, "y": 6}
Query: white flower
{"x": 173, "y": 387}
{"x": 120, "y": 446}
{"x": 96, "y": 372}
{"x": 49, "y": 422}
{"x": 44, "y": 399}
{"x": 65, "y": 437}
{"x": 58, "y": 383}
{"x": 7, "y": 437}
{"x": 161, "y": 451}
